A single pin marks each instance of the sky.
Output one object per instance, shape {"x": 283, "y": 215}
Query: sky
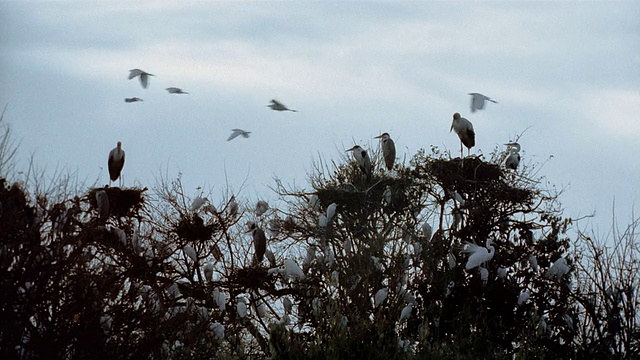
{"x": 566, "y": 72}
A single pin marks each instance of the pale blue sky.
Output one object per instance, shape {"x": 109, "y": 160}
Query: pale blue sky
{"x": 570, "y": 70}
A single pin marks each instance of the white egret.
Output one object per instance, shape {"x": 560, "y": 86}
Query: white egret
{"x": 513, "y": 159}
{"x": 380, "y": 297}
{"x": 331, "y": 211}
{"x": 261, "y": 207}
{"x": 208, "y": 272}
{"x": 451, "y": 260}
{"x": 144, "y": 76}
{"x": 241, "y": 307}
{"x": 406, "y": 312}
{"x": 478, "y": 254}
{"x": 558, "y": 268}
{"x": 502, "y": 272}
{"x": 271, "y": 257}
{"x": 237, "y": 132}
{"x": 464, "y": 129}
{"x": 484, "y": 274}
{"x": 220, "y": 298}
{"x": 116, "y": 162}
{"x": 533, "y": 261}
{"x": 314, "y": 202}
{"x": 197, "y": 203}
{"x": 362, "y": 159}
{"x": 388, "y": 150}
{"x": 132, "y": 99}
{"x": 259, "y": 242}
{"x": 278, "y": 106}
{"x": 348, "y": 247}
{"x": 190, "y": 252}
{"x": 175, "y": 90}
{"x": 478, "y": 101}
{"x": 102, "y": 199}
{"x": 322, "y": 220}
{"x": 260, "y": 307}
{"x": 217, "y": 329}
{"x": 291, "y": 269}
{"x": 523, "y": 297}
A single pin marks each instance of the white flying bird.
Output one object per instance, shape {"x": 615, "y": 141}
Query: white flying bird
{"x": 478, "y": 101}
{"x": 144, "y": 76}
{"x": 362, "y": 159}
{"x": 132, "y": 99}
{"x": 116, "y": 162}
{"x": 237, "y": 132}
{"x": 478, "y": 254}
{"x": 175, "y": 90}
{"x": 464, "y": 129}
{"x": 513, "y": 159}
{"x": 278, "y": 106}
{"x": 388, "y": 150}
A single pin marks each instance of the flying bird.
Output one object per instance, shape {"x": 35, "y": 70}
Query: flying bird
{"x": 362, "y": 158}
{"x": 513, "y": 159}
{"x": 478, "y": 101}
{"x": 464, "y": 129}
{"x": 132, "y": 99}
{"x": 278, "y": 106}
{"x": 144, "y": 76}
{"x": 175, "y": 90}
{"x": 388, "y": 150}
{"x": 478, "y": 254}
{"x": 116, "y": 162}
{"x": 259, "y": 242}
{"x": 238, "y": 132}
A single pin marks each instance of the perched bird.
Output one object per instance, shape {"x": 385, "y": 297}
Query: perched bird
{"x": 478, "y": 101}
{"x": 102, "y": 199}
{"x": 233, "y": 206}
{"x": 406, "y": 312}
{"x": 197, "y": 203}
{"x": 464, "y": 129}
{"x": 380, "y": 297}
{"x": 241, "y": 307}
{"x": 291, "y": 269}
{"x": 132, "y": 99}
{"x": 208, "y": 272}
{"x": 190, "y": 252}
{"x": 278, "y": 106}
{"x": 523, "y": 297}
{"x": 478, "y": 254}
{"x": 484, "y": 274}
{"x": 175, "y": 90}
{"x": 388, "y": 150}
{"x": 558, "y": 268}
{"x": 144, "y": 76}
{"x": 217, "y": 329}
{"x": 261, "y": 207}
{"x": 259, "y": 242}
{"x": 513, "y": 159}
{"x": 362, "y": 158}
{"x": 116, "y": 162}
{"x": 238, "y": 132}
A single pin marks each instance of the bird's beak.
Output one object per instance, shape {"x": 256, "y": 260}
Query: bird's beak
{"x": 377, "y": 137}
{"x": 351, "y": 149}
{"x": 451, "y": 127}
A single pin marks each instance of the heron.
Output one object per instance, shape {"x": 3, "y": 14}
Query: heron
{"x": 362, "y": 158}
{"x": 406, "y": 312}
{"x": 102, "y": 199}
{"x": 233, "y": 206}
{"x": 380, "y": 297}
{"x": 144, "y": 76}
{"x": 175, "y": 90}
{"x": 388, "y": 150}
{"x": 523, "y": 297}
{"x": 237, "y": 132}
{"x": 197, "y": 203}
{"x": 513, "y": 159}
{"x": 558, "y": 268}
{"x": 116, "y": 162}
{"x": 291, "y": 269}
{"x": 241, "y": 307}
{"x": 259, "y": 242}
{"x": 278, "y": 106}
{"x": 132, "y": 99}
{"x": 478, "y": 101}
{"x": 464, "y": 129}
{"x": 478, "y": 254}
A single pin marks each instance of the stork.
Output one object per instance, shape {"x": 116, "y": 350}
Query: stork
{"x": 116, "y": 162}
{"x": 362, "y": 158}
{"x": 464, "y": 129}
{"x": 259, "y": 242}
{"x": 388, "y": 150}
{"x": 278, "y": 106}
{"x": 175, "y": 90}
{"x": 238, "y": 132}
{"x": 513, "y": 159}
{"x": 478, "y": 101}
{"x": 144, "y": 76}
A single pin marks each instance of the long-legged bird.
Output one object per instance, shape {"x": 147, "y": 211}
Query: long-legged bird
{"x": 464, "y": 129}
{"x": 116, "y": 162}
{"x": 388, "y": 150}
{"x": 363, "y": 160}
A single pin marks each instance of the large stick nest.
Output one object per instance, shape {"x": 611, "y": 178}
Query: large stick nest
{"x": 122, "y": 202}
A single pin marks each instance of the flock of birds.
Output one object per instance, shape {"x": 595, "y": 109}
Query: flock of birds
{"x": 462, "y": 127}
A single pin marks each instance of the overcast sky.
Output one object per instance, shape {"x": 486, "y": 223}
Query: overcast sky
{"x": 568, "y": 70}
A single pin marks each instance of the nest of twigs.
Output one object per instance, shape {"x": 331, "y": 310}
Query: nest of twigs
{"x": 192, "y": 228}
{"x": 122, "y": 202}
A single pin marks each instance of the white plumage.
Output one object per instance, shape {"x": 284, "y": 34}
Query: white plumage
{"x": 102, "y": 199}
{"x": 478, "y": 101}
{"x": 362, "y": 159}
{"x": 558, "y": 269}
{"x": 406, "y": 312}
{"x": 190, "y": 252}
{"x": 380, "y": 297}
{"x": 464, "y": 129}
{"x": 197, "y": 203}
{"x": 478, "y": 254}
{"x": 261, "y": 207}
{"x": 144, "y": 76}
{"x": 523, "y": 297}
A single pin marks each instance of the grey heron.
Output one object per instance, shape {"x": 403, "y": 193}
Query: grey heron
{"x": 238, "y": 132}
{"x": 478, "y": 101}
{"x": 144, "y": 76}
{"x": 513, "y": 159}
{"x": 464, "y": 129}
{"x": 116, "y": 162}
{"x": 388, "y": 150}
{"x": 259, "y": 242}
{"x": 363, "y": 160}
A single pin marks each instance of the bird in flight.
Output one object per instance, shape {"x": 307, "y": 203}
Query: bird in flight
{"x": 175, "y": 90}
{"x": 478, "y": 101}
{"x": 132, "y": 99}
{"x": 278, "y": 106}
{"x": 238, "y": 132}
{"x": 144, "y": 76}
